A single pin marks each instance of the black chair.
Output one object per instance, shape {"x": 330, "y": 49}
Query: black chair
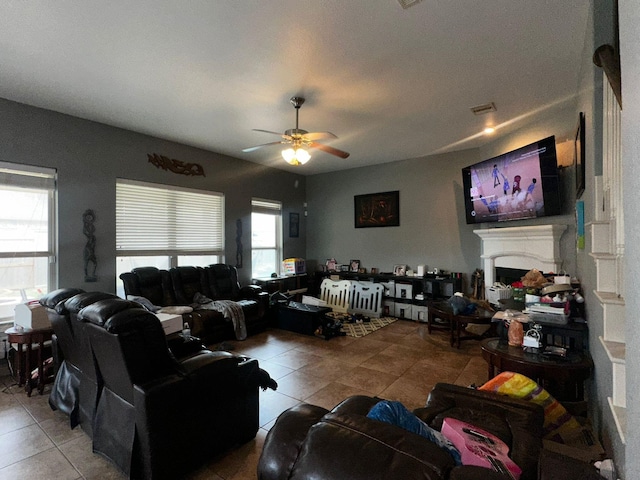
{"x": 158, "y": 417}
{"x": 151, "y": 283}
{"x": 77, "y": 382}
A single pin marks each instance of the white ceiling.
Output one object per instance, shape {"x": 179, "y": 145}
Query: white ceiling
{"x": 391, "y": 83}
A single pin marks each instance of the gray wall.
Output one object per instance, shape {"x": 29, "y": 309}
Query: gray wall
{"x": 432, "y": 230}
{"x": 90, "y": 156}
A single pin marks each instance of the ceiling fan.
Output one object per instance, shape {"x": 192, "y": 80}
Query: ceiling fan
{"x": 300, "y": 140}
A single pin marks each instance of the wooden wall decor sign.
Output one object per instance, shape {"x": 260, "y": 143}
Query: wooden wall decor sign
{"x": 176, "y": 166}
{"x": 89, "y": 254}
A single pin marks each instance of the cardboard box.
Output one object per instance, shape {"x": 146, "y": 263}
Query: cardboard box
{"x": 170, "y": 323}
{"x": 294, "y": 266}
{"x": 583, "y": 452}
{"x": 31, "y": 315}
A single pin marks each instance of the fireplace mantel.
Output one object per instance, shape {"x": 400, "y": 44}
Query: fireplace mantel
{"x": 525, "y": 248}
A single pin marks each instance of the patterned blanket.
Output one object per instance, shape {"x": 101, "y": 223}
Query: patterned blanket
{"x": 230, "y": 310}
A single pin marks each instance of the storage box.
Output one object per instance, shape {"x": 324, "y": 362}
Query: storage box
{"x": 403, "y": 310}
{"x": 31, "y": 315}
{"x": 419, "y": 313}
{"x": 404, "y": 291}
{"x": 584, "y": 446}
{"x": 301, "y": 318}
{"x": 389, "y": 288}
{"x": 388, "y": 308}
{"x": 170, "y": 323}
{"x": 293, "y": 266}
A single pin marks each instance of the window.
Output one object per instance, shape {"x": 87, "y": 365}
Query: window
{"x": 27, "y": 234}
{"x": 266, "y": 237}
{"x": 165, "y": 226}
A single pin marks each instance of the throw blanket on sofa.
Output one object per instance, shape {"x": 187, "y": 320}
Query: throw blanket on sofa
{"x": 559, "y": 425}
{"x": 230, "y": 309}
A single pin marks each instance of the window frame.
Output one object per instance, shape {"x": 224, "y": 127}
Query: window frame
{"x": 15, "y": 176}
{"x": 269, "y": 207}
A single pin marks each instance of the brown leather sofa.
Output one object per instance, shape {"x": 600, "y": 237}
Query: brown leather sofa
{"x": 178, "y": 286}
{"x": 152, "y": 413}
{"x": 311, "y": 442}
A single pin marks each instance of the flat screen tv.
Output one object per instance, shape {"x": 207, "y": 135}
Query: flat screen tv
{"x": 516, "y": 185}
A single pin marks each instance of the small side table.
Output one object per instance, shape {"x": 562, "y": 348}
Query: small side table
{"x": 455, "y": 323}
{"x": 26, "y": 339}
{"x": 562, "y": 377}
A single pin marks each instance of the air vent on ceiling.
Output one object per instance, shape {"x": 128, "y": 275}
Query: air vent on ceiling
{"x": 408, "y": 3}
{"x": 482, "y": 109}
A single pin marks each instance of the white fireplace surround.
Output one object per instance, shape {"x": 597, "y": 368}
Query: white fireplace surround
{"x": 520, "y": 247}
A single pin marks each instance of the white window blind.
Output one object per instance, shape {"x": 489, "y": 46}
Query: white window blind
{"x": 160, "y": 219}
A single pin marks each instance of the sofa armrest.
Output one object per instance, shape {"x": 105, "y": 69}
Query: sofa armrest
{"x": 517, "y": 422}
{"x": 208, "y": 364}
{"x": 284, "y": 441}
{"x": 251, "y": 291}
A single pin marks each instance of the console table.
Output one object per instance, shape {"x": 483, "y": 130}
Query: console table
{"x": 561, "y": 377}
{"x": 25, "y": 339}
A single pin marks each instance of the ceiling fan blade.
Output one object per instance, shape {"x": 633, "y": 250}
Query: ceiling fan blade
{"x": 318, "y": 136}
{"x": 267, "y": 131}
{"x": 328, "y": 149}
{"x": 251, "y": 149}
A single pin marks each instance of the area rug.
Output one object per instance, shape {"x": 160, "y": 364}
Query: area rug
{"x": 358, "y": 330}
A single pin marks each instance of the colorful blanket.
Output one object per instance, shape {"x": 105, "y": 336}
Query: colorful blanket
{"x": 559, "y": 425}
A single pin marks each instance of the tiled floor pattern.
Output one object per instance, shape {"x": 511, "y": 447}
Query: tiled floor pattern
{"x": 400, "y": 362}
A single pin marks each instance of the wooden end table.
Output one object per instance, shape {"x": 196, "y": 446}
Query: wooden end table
{"x": 25, "y": 339}
{"x": 561, "y": 377}
{"x": 456, "y": 323}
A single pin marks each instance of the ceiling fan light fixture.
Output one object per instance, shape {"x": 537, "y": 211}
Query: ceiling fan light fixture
{"x": 298, "y": 156}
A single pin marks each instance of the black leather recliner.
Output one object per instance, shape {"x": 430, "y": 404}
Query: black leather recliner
{"x": 222, "y": 280}
{"x": 158, "y": 417}
{"x": 178, "y": 287}
{"x": 77, "y": 382}
{"x": 151, "y": 283}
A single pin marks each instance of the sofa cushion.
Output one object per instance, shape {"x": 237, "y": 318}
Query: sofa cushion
{"x": 379, "y": 451}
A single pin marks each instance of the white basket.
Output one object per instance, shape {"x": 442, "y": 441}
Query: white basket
{"x": 366, "y": 298}
{"x": 497, "y": 293}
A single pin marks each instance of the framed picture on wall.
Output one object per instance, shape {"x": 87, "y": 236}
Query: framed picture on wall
{"x": 377, "y": 210}
{"x": 579, "y": 156}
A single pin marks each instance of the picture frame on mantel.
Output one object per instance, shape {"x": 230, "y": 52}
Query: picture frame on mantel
{"x": 377, "y": 210}
{"x": 579, "y": 156}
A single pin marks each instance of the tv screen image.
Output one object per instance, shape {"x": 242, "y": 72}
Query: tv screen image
{"x": 516, "y": 185}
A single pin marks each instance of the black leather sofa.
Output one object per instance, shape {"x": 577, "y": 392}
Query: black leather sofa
{"x": 178, "y": 286}
{"x": 311, "y": 442}
{"x": 151, "y": 412}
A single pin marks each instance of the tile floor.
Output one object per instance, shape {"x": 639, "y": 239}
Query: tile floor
{"x": 399, "y": 362}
